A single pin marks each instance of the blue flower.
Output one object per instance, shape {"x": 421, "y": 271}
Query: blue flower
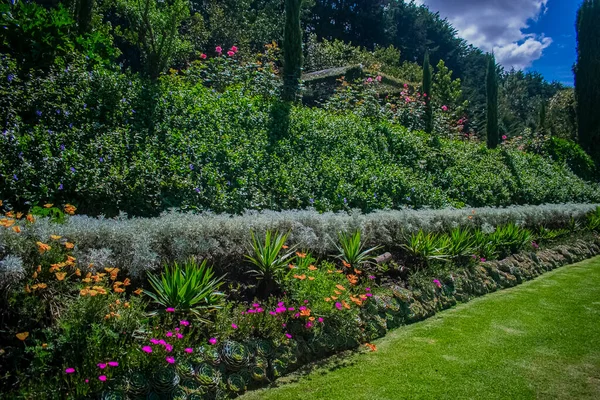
{"x": 15, "y": 177}
{"x": 62, "y": 147}
{"x": 60, "y": 187}
{"x": 10, "y": 77}
{"x": 192, "y": 167}
{"x": 311, "y": 200}
{"x": 197, "y": 190}
{"x": 72, "y": 169}
{"x": 101, "y": 159}
{"x": 39, "y": 113}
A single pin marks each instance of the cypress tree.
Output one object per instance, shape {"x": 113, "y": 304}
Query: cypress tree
{"x": 491, "y": 81}
{"x": 292, "y": 50}
{"x": 427, "y": 94}
{"x": 542, "y": 121}
{"x": 587, "y": 77}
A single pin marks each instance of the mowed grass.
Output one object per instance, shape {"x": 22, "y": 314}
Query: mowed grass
{"x": 540, "y": 340}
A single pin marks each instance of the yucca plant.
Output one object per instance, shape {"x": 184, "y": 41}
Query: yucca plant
{"x": 462, "y": 243}
{"x": 191, "y": 288}
{"x": 352, "y": 250}
{"x": 593, "y": 221}
{"x": 271, "y": 265}
{"x": 511, "y": 238}
{"x": 427, "y": 246}
{"x": 484, "y": 246}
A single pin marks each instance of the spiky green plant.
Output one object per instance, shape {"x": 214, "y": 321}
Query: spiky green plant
{"x": 484, "y": 245}
{"x": 423, "y": 247}
{"x": 271, "y": 267}
{"x": 352, "y": 250}
{"x": 593, "y": 220}
{"x": 491, "y": 80}
{"x": 292, "y": 50}
{"x": 462, "y": 243}
{"x": 190, "y": 288}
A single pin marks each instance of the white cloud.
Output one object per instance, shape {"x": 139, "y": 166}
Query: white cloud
{"x": 497, "y": 25}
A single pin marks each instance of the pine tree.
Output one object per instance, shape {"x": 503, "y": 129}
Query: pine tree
{"x": 491, "y": 81}
{"x": 292, "y": 50}
{"x": 427, "y": 94}
{"x": 587, "y": 76}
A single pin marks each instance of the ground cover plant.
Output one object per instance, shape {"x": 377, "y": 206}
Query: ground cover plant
{"x": 85, "y": 327}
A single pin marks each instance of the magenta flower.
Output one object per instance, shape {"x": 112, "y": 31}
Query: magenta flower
{"x": 170, "y": 309}
{"x": 284, "y": 325}
{"x": 372, "y": 277}
{"x": 234, "y": 49}
{"x": 170, "y": 360}
{"x": 280, "y": 304}
{"x": 504, "y": 137}
{"x": 219, "y": 49}
{"x": 259, "y": 310}
{"x": 255, "y": 305}
{"x": 113, "y": 363}
{"x": 234, "y": 326}
{"x": 161, "y": 341}
{"x": 291, "y": 309}
{"x": 184, "y": 323}
{"x": 444, "y": 108}
{"x": 154, "y": 341}
{"x": 176, "y": 329}
{"x": 368, "y": 289}
{"x": 230, "y": 53}
{"x": 406, "y": 86}
{"x": 309, "y": 325}
{"x": 101, "y": 366}
{"x": 369, "y": 80}
{"x": 212, "y": 341}
{"x": 272, "y": 313}
{"x": 305, "y": 301}
{"x": 147, "y": 349}
{"x": 438, "y": 284}
{"x": 87, "y": 381}
{"x": 203, "y": 56}
{"x": 287, "y": 335}
{"x": 302, "y": 308}
{"x": 535, "y": 245}
{"x": 168, "y": 347}
{"x": 338, "y": 305}
{"x": 102, "y": 378}
{"x": 189, "y": 350}
{"x": 378, "y": 79}
{"x": 369, "y": 294}
{"x": 169, "y": 334}
{"x": 321, "y": 319}
{"x": 179, "y": 336}
{"x": 297, "y": 315}
{"x": 69, "y": 370}
{"x": 482, "y": 259}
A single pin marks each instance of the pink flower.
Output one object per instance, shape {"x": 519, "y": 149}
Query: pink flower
{"x": 338, "y": 305}
{"x": 259, "y": 310}
{"x": 203, "y": 56}
{"x": 230, "y": 53}
{"x": 504, "y": 137}
{"x": 320, "y": 319}
{"x": 169, "y": 334}
{"x": 113, "y": 363}
{"x": 302, "y": 308}
{"x": 378, "y": 79}
{"x": 69, "y": 370}
{"x": 372, "y": 277}
{"x": 424, "y": 94}
{"x": 482, "y": 259}
{"x": 272, "y": 313}
{"x": 102, "y": 378}
{"x": 189, "y": 350}
{"x": 161, "y": 341}
{"x": 369, "y": 294}
{"x": 297, "y": 315}
{"x": 147, "y": 349}
{"x": 184, "y": 323}
{"x": 406, "y": 86}
{"x": 535, "y": 245}
{"x": 291, "y": 309}
{"x": 154, "y": 341}
{"x": 438, "y": 284}
{"x": 287, "y": 335}
{"x": 212, "y": 341}
{"x": 305, "y": 301}
{"x": 170, "y": 309}
{"x": 309, "y": 325}
{"x": 234, "y": 326}
{"x": 251, "y": 312}
{"x": 280, "y": 304}
{"x": 219, "y": 49}
{"x": 255, "y": 305}
{"x": 170, "y": 360}
{"x": 168, "y": 347}
{"x": 367, "y": 289}
{"x": 284, "y": 325}
{"x": 407, "y": 99}
{"x": 87, "y": 381}
{"x": 176, "y": 329}
{"x": 369, "y": 80}
{"x": 444, "y": 108}
{"x": 234, "y": 49}
{"x": 179, "y": 336}
{"x": 101, "y": 366}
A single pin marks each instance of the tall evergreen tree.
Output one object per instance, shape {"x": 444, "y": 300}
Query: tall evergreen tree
{"x": 427, "y": 94}
{"x": 491, "y": 81}
{"x": 587, "y": 76}
{"x": 292, "y": 50}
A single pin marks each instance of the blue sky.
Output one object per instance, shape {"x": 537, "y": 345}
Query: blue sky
{"x": 525, "y": 34}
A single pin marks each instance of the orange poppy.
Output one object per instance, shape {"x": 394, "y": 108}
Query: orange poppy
{"x": 346, "y": 305}
{"x": 92, "y": 292}
{"x": 8, "y": 223}
{"x": 35, "y": 275}
{"x": 78, "y": 272}
{"x": 39, "y": 268}
{"x": 126, "y": 282}
{"x": 48, "y": 205}
{"x": 311, "y": 278}
{"x": 371, "y": 346}
{"x": 329, "y": 271}
{"x": 69, "y": 245}
{"x": 60, "y": 275}
{"x": 138, "y": 291}
{"x": 42, "y": 286}
{"x": 327, "y": 299}
{"x": 353, "y": 279}
{"x": 345, "y": 264}
{"x": 340, "y": 287}
{"x": 19, "y": 215}
{"x": 334, "y": 297}
{"x": 109, "y": 270}
{"x": 337, "y": 292}
{"x": 312, "y": 268}
{"x": 301, "y": 255}
{"x": 363, "y": 297}
{"x": 311, "y": 318}
{"x": 356, "y": 301}
{"x": 291, "y": 266}
{"x": 44, "y": 345}
{"x": 42, "y": 247}
{"x": 55, "y": 237}
{"x": 339, "y": 271}
{"x": 27, "y": 289}
{"x": 30, "y": 218}
{"x": 126, "y": 304}
{"x": 357, "y": 272}
{"x": 84, "y": 292}
{"x": 22, "y": 336}
{"x": 301, "y": 277}
{"x": 17, "y": 229}
{"x": 285, "y": 247}
{"x": 10, "y": 214}
{"x": 118, "y": 289}
{"x": 305, "y": 312}
{"x": 69, "y": 209}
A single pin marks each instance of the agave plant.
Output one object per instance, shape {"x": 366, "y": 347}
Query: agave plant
{"x": 352, "y": 250}
{"x": 462, "y": 243}
{"x": 271, "y": 266}
{"x": 427, "y": 246}
{"x": 190, "y": 288}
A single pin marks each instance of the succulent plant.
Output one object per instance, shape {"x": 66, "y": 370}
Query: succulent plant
{"x": 237, "y": 383}
{"x": 185, "y": 369}
{"x": 207, "y": 375}
{"x": 165, "y": 380}
{"x": 112, "y": 395}
{"x": 262, "y": 348}
{"x": 210, "y": 354}
{"x": 137, "y": 385}
{"x": 153, "y": 396}
{"x": 258, "y": 373}
{"x": 235, "y": 355}
{"x": 278, "y": 368}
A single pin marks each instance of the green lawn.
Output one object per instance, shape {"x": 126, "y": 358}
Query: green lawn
{"x": 540, "y": 340}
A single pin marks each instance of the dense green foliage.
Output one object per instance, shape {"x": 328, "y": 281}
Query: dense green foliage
{"x": 292, "y": 50}
{"x": 491, "y": 83}
{"x": 587, "y": 78}
{"x": 427, "y": 93}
